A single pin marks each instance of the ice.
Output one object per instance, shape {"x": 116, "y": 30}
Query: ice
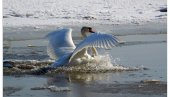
{"x": 52, "y": 88}
{"x": 69, "y": 12}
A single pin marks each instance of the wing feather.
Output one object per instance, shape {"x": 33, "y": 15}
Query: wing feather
{"x": 98, "y": 40}
{"x": 60, "y": 43}
{"x": 107, "y": 44}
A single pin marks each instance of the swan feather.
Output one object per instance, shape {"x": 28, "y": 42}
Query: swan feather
{"x": 60, "y": 43}
{"x": 98, "y": 40}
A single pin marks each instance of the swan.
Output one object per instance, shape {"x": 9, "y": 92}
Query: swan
{"x": 61, "y": 46}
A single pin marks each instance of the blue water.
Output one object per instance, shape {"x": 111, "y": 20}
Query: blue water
{"x": 141, "y": 50}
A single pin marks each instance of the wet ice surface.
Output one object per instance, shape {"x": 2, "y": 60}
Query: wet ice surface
{"x": 141, "y": 49}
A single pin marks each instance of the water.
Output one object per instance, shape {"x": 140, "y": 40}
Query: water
{"x": 146, "y": 51}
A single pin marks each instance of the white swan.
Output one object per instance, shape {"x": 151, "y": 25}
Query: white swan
{"x": 61, "y": 46}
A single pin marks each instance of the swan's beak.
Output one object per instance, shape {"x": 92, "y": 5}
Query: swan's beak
{"x": 91, "y": 31}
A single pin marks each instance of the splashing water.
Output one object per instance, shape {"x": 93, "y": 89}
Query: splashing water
{"x": 101, "y": 63}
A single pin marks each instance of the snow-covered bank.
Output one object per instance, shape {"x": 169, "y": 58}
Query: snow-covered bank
{"x": 74, "y": 12}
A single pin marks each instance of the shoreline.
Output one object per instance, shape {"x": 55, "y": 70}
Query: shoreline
{"x": 71, "y": 22}
{"x": 145, "y": 28}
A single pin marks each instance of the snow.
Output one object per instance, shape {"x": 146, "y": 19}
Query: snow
{"x": 75, "y": 12}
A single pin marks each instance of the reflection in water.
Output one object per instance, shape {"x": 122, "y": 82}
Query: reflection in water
{"x": 82, "y": 78}
{"x": 77, "y": 82}
{"x": 90, "y": 77}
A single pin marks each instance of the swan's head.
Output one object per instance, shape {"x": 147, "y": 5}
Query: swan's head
{"x": 86, "y": 30}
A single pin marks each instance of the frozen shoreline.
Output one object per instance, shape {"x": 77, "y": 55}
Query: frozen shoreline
{"x": 20, "y": 13}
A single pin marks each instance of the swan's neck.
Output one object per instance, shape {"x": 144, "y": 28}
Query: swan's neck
{"x": 83, "y": 35}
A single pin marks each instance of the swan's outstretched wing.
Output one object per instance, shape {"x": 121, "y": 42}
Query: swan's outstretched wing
{"x": 60, "y": 43}
{"x": 96, "y": 40}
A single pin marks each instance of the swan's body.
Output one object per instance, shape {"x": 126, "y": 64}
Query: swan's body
{"x": 61, "y": 46}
